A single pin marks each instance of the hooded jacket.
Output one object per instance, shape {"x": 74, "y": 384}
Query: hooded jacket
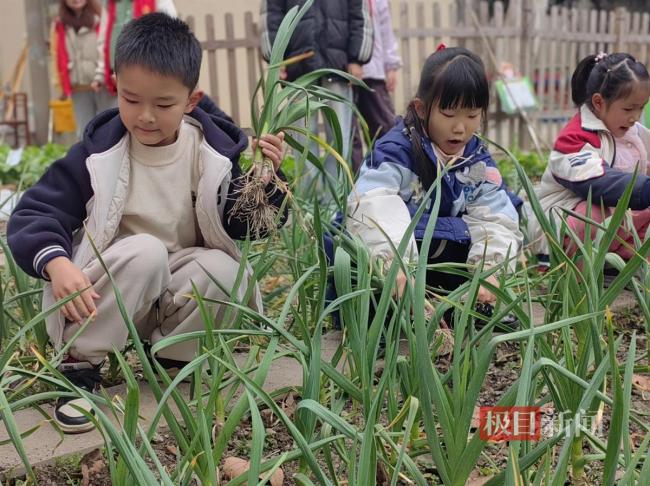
{"x": 83, "y": 195}
{"x": 475, "y": 207}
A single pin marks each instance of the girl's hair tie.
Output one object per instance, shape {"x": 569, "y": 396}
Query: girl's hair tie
{"x": 440, "y": 47}
{"x": 600, "y": 56}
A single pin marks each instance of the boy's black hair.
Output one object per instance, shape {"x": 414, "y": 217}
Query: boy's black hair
{"x": 453, "y": 77}
{"x": 162, "y": 44}
{"x": 613, "y": 76}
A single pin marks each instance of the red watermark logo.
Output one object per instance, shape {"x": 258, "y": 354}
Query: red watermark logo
{"x": 502, "y": 424}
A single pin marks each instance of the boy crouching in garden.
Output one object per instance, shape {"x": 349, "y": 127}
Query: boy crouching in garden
{"x": 152, "y": 185}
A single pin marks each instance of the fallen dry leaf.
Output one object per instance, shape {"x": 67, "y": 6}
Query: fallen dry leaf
{"x": 277, "y": 478}
{"x": 236, "y": 466}
{"x": 641, "y": 382}
{"x": 636, "y": 438}
{"x": 289, "y": 404}
{"x": 443, "y": 340}
{"x": 268, "y": 418}
{"x": 92, "y": 464}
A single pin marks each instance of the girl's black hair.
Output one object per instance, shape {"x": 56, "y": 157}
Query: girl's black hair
{"x": 451, "y": 78}
{"x": 613, "y": 76}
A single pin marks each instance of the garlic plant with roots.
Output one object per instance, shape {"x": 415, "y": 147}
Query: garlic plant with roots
{"x": 285, "y": 104}
{"x": 252, "y": 202}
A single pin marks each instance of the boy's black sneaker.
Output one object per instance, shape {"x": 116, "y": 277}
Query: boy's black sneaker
{"x": 66, "y": 411}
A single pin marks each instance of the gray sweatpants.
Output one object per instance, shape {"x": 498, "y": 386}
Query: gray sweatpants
{"x": 155, "y": 287}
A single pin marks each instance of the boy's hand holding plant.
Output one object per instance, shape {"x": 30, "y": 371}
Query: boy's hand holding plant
{"x": 286, "y": 105}
{"x": 272, "y": 147}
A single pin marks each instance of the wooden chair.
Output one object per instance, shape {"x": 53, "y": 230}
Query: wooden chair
{"x": 16, "y": 105}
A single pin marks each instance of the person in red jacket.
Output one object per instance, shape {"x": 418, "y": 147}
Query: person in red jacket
{"x": 77, "y": 63}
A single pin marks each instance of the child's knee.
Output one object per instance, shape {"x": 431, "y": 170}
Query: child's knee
{"x": 218, "y": 265}
{"x": 146, "y": 254}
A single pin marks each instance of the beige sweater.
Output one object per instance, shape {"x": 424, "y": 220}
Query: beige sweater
{"x": 162, "y": 187}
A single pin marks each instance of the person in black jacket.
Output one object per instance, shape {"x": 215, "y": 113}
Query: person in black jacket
{"x": 340, "y": 35}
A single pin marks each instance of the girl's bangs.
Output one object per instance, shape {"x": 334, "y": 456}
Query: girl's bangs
{"x": 629, "y": 87}
{"x": 461, "y": 85}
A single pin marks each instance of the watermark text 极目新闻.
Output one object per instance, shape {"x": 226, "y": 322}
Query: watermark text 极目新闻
{"x": 502, "y": 424}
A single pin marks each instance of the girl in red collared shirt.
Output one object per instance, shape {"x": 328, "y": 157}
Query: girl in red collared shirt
{"x": 599, "y": 149}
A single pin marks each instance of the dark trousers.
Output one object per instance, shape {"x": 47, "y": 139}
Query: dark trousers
{"x": 451, "y": 252}
{"x": 377, "y": 109}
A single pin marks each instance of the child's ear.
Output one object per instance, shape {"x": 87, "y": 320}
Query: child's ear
{"x": 193, "y": 100}
{"x": 597, "y": 102}
{"x": 420, "y": 108}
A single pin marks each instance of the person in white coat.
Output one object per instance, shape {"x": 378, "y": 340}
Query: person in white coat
{"x": 380, "y": 74}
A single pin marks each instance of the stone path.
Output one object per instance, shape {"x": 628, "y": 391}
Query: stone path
{"x": 45, "y": 445}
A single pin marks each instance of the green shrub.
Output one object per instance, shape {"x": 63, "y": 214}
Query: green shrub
{"x": 530, "y": 162}
{"x": 33, "y": 163}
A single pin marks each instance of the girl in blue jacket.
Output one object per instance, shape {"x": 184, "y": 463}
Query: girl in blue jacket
{"x": 477, "y": 222}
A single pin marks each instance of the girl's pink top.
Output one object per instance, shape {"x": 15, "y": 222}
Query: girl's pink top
{"x": 630, "y": 151}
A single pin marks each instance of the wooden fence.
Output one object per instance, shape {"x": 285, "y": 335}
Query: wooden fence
{"x": 542, "y": 43}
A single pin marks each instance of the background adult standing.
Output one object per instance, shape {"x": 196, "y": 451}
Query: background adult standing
{"x": 340, "y": 35}
{"x": 73, "y": 43}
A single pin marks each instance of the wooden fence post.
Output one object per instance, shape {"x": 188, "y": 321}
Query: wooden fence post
{"x": 212, "y": 58}
{"x": 526, "y": 51}
{"x": 405, "y": 46}
{"x": 621, "y": 28}
{"x": 527, "y": 35}
{"x": 38, "y": 67}
{"x": 233, "y": 80}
